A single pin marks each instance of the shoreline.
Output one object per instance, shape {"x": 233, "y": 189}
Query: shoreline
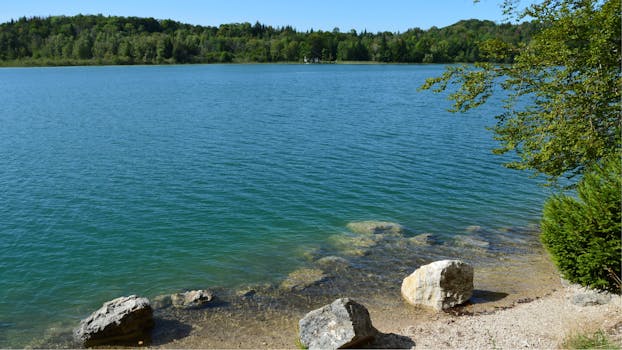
{"x": 366, "y": 268}
{"x": 111, "y": 64}
{"x": 543, "y": 323}
{"x": 272, "y": 323}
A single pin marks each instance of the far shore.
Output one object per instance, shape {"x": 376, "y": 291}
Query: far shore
{"x": 99, "y": 63}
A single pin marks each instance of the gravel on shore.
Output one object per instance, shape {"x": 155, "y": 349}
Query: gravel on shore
{"x": 541, "y": 324}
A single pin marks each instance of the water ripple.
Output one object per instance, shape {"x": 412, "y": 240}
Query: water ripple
{"x": 146, "y": 180}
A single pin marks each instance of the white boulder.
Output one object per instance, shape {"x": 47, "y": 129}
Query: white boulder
{"x": 441, "y": 285}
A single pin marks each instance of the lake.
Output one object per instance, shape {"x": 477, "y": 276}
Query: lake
{"x": 152, "y": 179}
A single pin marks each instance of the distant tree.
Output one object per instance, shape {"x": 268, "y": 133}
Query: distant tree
{"x": 98, "y": 39}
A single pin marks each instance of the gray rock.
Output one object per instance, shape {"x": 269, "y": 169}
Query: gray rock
{"x": 375, "y": 227}
{"x": 302, "y": 279}
{"x": 584, "y": 296}
{"x": 590, "y": 299}
{"x": 191, "y": 299}
{"x": 125, "y": 319}
{"x": 440, "y": 285}
{"x": 344, "y": 323}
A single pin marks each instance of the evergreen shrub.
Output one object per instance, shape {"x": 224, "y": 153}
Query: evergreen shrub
{"x": 582, "y": 233}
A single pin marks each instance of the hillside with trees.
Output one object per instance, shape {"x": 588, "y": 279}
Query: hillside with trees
{"x": 93, "y": 40}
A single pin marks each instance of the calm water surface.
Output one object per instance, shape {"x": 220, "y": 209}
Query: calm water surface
{"x": 148, "y": 180}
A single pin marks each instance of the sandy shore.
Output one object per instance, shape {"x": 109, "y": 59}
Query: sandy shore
{"x": 527, "y": 318}
{"x": 518, "y": 301}
{"x": 542, "y": 324}
{"x": 529, "y": 309}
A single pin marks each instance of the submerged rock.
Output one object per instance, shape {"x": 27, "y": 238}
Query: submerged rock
{"x": 375, "y": 227}
{"x": 332, "y": 262}
{"x": 191, "y": 299}
{"x": 440, "y": 285}
{"x": 351, "y": 245}
{"x": 310, "y": 253}
{"x": 473, "y": 228}
{"x": 302, "y": 279}
{"x": 341, "y": 324}
{"x": 471, "y": 241}
{"x": 250, "y": 291}
{"x": 125, "y": 319}
{"x": 423, "y": 239}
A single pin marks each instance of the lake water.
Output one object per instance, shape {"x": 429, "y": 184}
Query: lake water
{"x": 151, "y": 179}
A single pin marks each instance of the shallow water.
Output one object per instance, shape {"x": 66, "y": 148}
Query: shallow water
{"x": 151, "y": 180}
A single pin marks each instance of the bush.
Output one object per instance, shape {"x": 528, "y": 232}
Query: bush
{"x": 583, "y": 234}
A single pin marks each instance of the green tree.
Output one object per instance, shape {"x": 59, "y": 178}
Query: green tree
{"x": 164, "y": 48}
{"x": 562, "y": 113}
{"x": 562, "y": 117}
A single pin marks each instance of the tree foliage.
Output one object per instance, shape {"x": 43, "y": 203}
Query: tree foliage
{"x": 61, "y": 40}
{"x": 562, "y": 112}
{"x": 583, "y": 235}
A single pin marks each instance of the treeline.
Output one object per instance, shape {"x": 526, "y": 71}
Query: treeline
{"x": 61, "y": 40}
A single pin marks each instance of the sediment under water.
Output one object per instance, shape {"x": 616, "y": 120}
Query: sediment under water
{"x": 510, "y": 268}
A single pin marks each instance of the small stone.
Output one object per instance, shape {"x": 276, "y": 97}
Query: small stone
{"x": 440, "y": 285}
{"x": 125, "y": 319}
{"x": 341, "y": 324}
{"x": 191, "y": 299}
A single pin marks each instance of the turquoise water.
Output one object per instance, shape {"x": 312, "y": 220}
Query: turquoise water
{"x": 148, "y": 180}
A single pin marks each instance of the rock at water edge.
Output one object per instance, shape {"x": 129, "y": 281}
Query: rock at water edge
{"x": 343, "y": 323}
{"x": 123, "y": 319}
{"x": 440, "y": 285}
{"x": 191, "y": 299}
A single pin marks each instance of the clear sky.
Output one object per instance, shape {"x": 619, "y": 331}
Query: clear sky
{"x": 372, "y": 15}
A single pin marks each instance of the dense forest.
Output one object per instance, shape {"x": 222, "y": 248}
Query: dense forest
{"x": 88, "y": 39}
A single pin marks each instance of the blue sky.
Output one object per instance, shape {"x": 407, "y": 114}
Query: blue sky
{"x": 372, "y": 15}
